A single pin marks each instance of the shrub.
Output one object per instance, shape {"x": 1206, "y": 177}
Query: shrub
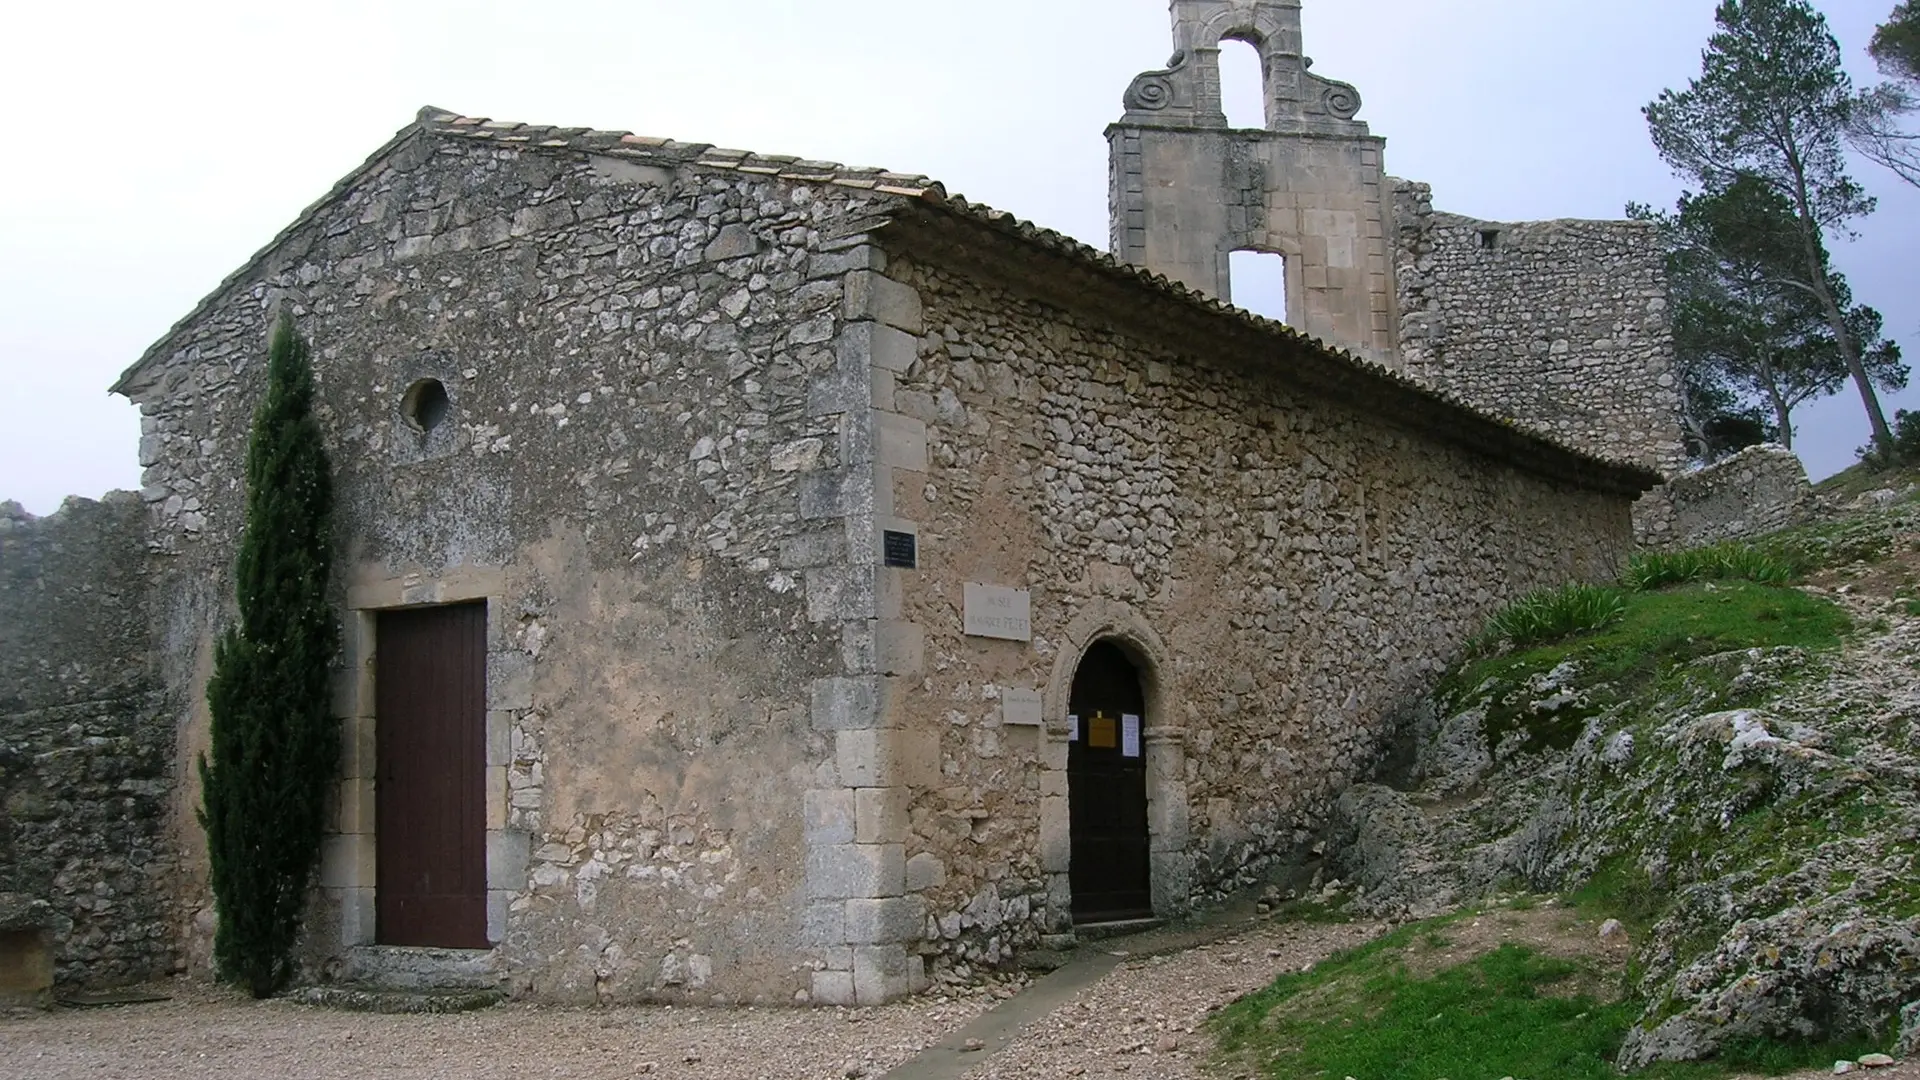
{"x": 1548, "y": 615}
{"x": 1906, "y": 444}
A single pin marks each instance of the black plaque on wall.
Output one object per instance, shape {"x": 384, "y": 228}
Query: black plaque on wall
{"x": 901, "y": 549}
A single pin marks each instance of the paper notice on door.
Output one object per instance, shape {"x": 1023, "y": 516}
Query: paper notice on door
{"x": 1102, "y": 732}
{"x": 1073, "y": 728}
{"x": 1129, "y": 735}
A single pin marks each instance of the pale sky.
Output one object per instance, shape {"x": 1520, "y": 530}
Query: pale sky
{"x": 155, "y": 147}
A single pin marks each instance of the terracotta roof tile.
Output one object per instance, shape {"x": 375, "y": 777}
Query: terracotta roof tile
{"x": 703, "y": 155}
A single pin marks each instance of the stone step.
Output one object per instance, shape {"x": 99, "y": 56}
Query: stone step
{"x": 407, "y": 968}
{"x": 1100, "y": 931}
{"x": 372, "y": 999}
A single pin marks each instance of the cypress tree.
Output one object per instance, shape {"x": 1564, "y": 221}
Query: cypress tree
{"x": 275, "y": 745}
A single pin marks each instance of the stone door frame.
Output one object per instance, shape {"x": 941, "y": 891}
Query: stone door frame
{"x": 1170, "y": 860}
{"x": 350, "y": 848}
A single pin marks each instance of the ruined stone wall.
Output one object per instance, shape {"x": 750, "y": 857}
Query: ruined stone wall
{"x": 1757, "y": 491}
{"x": 641, "y": 476}
{"x": 86, "y": 749}
{"x": 1291, "y": 569}
{"x": 1562, "y": 325}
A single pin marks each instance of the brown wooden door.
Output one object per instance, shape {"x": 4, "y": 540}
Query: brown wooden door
{"x": 431, "y": 701}
{"x": 1107, "y": 790}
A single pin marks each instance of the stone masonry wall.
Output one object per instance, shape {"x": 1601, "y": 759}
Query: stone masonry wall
{"x": 85, "y": 743}
{"x": 1290, "y": 571}
{"x": 1562, "y": 325}
{"x": 1757, "y": 491}
{"x": 649, "y": 476}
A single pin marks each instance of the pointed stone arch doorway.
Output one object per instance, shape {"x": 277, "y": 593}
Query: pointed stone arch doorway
{"x": 1127, "y": 670}
{"x": 1111, "y": 872}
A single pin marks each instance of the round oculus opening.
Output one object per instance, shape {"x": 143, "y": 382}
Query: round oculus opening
{"x": 426, "y": 404}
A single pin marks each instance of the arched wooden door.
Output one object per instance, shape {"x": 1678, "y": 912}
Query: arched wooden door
{"x": 1107, "y": 789}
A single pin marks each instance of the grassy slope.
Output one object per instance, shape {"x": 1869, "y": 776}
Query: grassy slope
{"x": 1365, "y": 1014}
{"x": 1513, "y": 1010}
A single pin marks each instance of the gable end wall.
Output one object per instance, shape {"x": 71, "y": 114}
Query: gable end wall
{"x": 652, "y": 473}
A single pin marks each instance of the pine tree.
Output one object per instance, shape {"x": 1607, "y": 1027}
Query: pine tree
{"x": 1896, "y": 42}
{"x": 1735, "y": 317}
{"x": 1772, "y": 106}
{"x": 275, "y": 745}
{"x": 1880, "y": 127}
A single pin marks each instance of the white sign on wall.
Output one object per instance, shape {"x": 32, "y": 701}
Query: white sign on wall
{"x": 1020, "y": 708}
{"x": 996, "y": 612}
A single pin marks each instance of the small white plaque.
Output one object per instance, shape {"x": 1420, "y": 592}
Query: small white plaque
{"x": 996, "y": 612}
{"x": 1129, "y": 735}
{"x": 1073, "y": 728}
{"x": 1020, "y": 708}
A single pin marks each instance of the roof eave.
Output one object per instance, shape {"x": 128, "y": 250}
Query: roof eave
{"x": 1319, "y": 367}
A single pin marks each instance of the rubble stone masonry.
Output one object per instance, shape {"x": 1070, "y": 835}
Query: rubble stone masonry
{"x": 1757, "y": 491}
{"x": 1561, "y": 325}
{"x": 1286, "y": 569}
{"x": 649, "y": 470}
{"x": 668, "y": 412}
{"x": 86, "y": 740}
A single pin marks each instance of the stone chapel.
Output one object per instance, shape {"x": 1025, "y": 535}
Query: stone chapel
{"x": 771, "y": 581}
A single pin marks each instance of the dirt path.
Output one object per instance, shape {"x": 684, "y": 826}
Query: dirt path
{"x": 204, "y": 1034}
{"x": 1143, "y": 1019}
{"x": 1133, "y": 1016}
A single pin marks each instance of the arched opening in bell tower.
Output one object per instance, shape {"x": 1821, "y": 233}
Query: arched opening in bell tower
{"x": 1243, "y": 84}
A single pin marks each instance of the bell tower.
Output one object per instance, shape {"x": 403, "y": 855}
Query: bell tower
{"x": 1187, "y": 191}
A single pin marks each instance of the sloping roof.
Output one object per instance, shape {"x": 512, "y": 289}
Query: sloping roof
{"x": 1312, "y": 364}
{"x": 1358, "y": 378}
{"x": 624, "y": 144}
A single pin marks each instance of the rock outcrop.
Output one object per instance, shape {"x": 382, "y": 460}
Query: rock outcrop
{"x": 1758, "y": 810}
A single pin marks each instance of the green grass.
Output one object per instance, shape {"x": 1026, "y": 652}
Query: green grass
{"x": 1311, "y": 909}
{"x": 1508, "y": 1012}
{"x": 1620, "y": 889}
{"x": 1864, "y": 477}
{"x": 1658, "y": 630}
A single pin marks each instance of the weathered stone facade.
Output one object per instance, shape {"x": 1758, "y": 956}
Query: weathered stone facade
{"x": 86, "y": 740}
{"x": 1284, "y": 565}
{"x": 1759, "y": 490}
{"x": 1562, "y": 325}
{"x": 724, "y": 442}
{"x": 689, "y": 397}
{"x": 644, "y": 473}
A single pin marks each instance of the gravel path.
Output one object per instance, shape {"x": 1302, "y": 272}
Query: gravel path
{"x": 1141, "y": 1020}
{"x": 204, "y": 1034}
